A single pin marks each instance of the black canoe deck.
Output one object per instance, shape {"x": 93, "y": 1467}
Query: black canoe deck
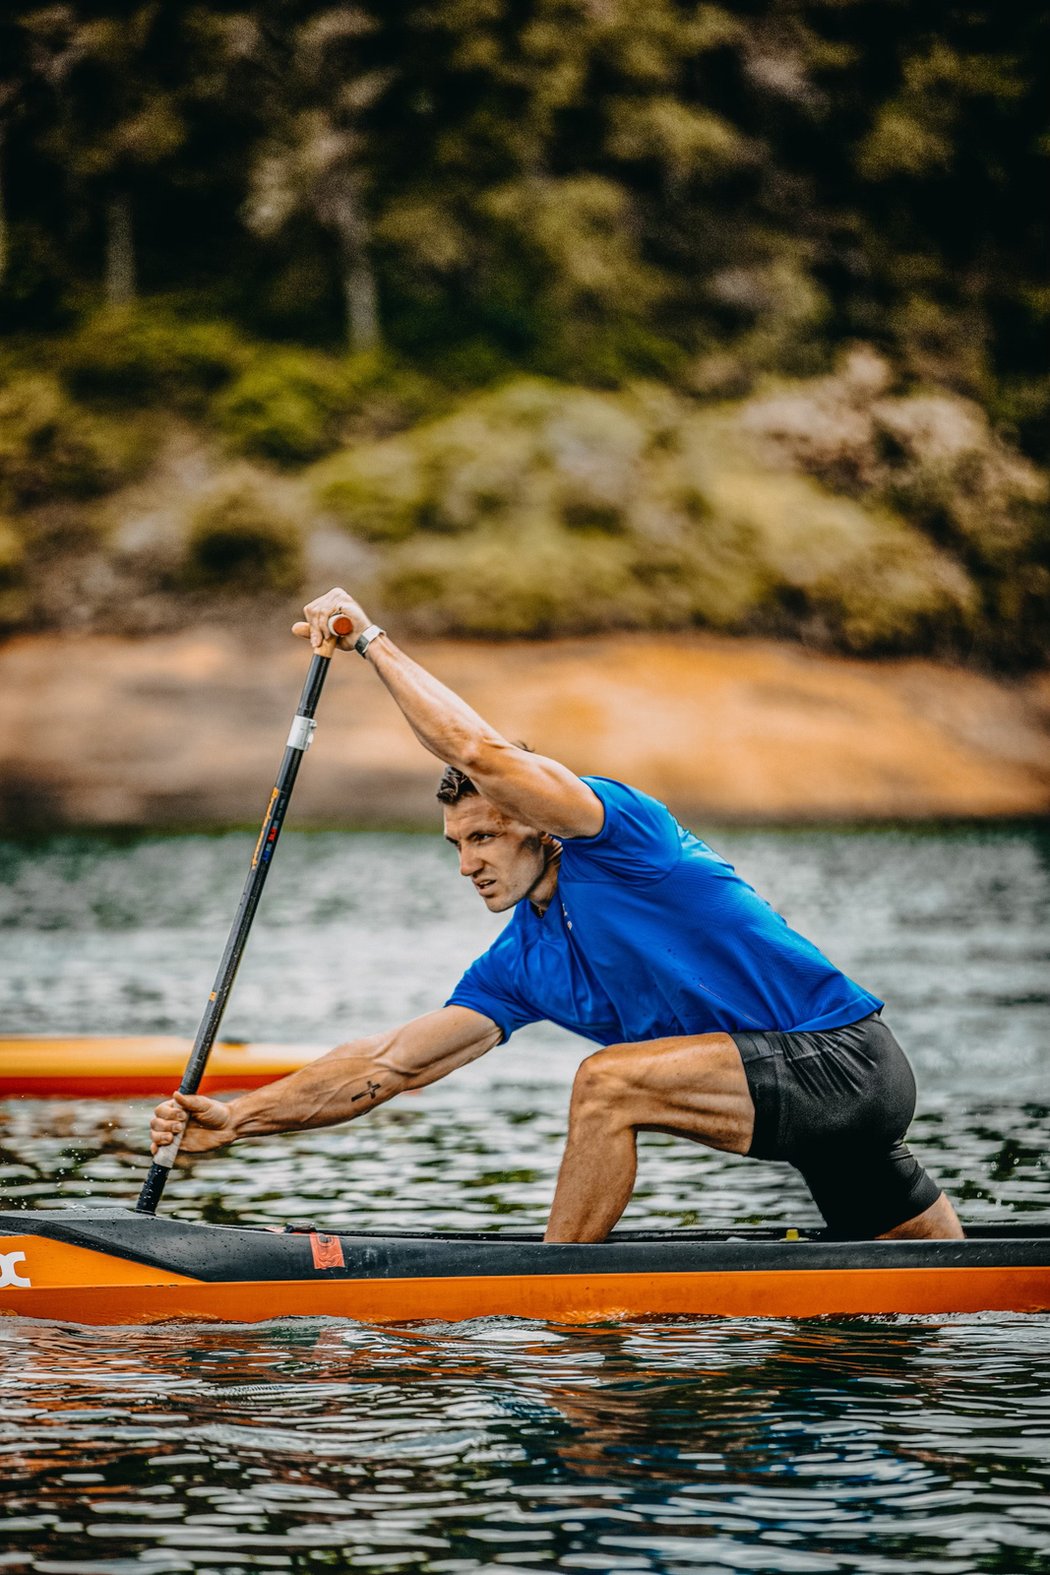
{"x": 231, "y": 1253}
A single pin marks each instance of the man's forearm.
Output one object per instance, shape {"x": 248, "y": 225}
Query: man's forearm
{"x": 529, "y": 787}
{"x": 336, "y": 1087}
{"x": 357, "y": 1076}
{"x": 346, "y": 1082}
{"x": 443, "y": 722}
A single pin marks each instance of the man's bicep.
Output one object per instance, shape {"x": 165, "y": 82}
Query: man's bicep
{"x": 540, "y": 791}
{"x": 431, "y": 1046}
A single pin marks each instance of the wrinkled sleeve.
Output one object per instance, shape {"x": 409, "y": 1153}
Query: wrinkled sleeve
{"x": 487, "y": 987}
{"x": 640, "y": 839}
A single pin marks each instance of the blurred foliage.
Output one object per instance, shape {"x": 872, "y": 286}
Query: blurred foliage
{"x": 286, "y": 406}
{"x": 935, "y": 458}
{"x": 292, "y": 405}
{"x": 597, "y": 192}
{"x": 12, "y": 601}
{"x": 240, "y": 539}
{"x": 542, "y": 509}
{"x": 365, "y": 234}
{"x": 51, "y": 447}
{"x": 136, "y": 355}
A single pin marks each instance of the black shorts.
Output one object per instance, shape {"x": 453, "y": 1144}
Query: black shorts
{"x": 836, "y": 1105}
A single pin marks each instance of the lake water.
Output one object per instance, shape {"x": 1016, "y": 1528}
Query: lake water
{"x": 685, "y": 1445}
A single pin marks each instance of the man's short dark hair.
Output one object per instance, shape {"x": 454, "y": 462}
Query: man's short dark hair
{"x": 454, "y": 785}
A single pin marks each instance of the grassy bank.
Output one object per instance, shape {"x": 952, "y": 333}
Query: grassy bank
{"x": 162, "y": 471}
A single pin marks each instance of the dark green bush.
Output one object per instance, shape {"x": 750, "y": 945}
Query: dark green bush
{"x": 11, "y": 590}
{"x": 239, "y": 539}
{"x": 11, "y": 553}
{"x": 147, "y": 355}
{"x": 376, "y": 491}
{"x": 287, "y": 406}
{"x": 292, "y": 406}
{"x": 611, "y": 356}
{"x": 51, "y": 448}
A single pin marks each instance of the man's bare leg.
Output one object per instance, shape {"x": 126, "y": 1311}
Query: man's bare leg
{"x": 937, "y": 1223}
{"x": 692, "y": 1087}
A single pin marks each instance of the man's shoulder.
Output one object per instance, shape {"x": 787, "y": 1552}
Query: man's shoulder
{"x": 639, "y": 836}
{"x": 615, "y": 787}
{"x": 622, "y": 796}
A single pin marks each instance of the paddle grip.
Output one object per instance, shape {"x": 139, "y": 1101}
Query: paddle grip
{"x": 165, "y": 1157}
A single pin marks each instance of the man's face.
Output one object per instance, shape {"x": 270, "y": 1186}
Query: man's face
{"x": 505, "y": 859}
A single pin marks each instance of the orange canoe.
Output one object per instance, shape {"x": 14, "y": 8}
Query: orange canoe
{"x": 47, "y": 1067}
{"x": 117, "y": 1266}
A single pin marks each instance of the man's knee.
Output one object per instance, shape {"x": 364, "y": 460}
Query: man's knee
{"x": 608, "y": 1077}
{"x": 599, "y": 1086}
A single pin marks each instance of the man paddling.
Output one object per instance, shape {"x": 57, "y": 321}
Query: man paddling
{"x": 718, "y": 1022}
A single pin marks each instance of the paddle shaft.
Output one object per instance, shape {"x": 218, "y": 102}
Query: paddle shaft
{"x": 299, "y": 740}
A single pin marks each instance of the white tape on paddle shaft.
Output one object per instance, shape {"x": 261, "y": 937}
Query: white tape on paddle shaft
{"x": 166, "y": 1156}
{"x": 302, "y": 733}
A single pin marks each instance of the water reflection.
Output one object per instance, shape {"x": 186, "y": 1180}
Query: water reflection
{"x": 669, "y": 1445}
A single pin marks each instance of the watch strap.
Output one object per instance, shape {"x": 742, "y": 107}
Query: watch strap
{"x": 365, "y": 638}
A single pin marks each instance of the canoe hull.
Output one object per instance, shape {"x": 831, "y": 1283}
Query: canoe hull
{"x": 570, "y": 1299}
{"x": 128, "y": 1269}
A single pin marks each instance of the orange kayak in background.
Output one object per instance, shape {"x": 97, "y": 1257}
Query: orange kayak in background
{"x": 45, "y": 1066}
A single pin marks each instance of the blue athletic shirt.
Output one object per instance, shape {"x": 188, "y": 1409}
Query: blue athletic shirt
{"x": 650, "y": 935}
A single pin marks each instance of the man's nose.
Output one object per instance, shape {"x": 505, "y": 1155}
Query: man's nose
{"x": 470, "y": 862}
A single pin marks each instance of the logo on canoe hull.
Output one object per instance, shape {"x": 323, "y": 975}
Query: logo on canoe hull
{"x": 327, "y": 1251}
{"x": 9, "y": 1275}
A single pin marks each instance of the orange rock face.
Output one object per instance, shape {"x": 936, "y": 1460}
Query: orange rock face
{"x": 188, "y": 730}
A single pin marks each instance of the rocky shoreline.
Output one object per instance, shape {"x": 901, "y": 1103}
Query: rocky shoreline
{"x": 186, "y": 730}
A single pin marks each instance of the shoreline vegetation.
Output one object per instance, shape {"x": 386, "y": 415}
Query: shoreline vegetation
{"x": 532, "y": 324}
{"x": 847, "y": 511}
{"x": 837, "y": 584}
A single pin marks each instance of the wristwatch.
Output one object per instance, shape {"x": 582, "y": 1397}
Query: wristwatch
{"x": 365, "y": 638}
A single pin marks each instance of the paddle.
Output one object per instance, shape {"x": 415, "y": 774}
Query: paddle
{"x": 298, "y": 742}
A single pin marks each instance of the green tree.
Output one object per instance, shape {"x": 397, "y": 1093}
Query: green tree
{"x": 14, "y": 82}
{"x": 318, "y": 155}
{"x": 930, "y": 200}
{"x": 571, "y": 185}
{"x": 114, "y": 83}
{"x": 559, "y": 135}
